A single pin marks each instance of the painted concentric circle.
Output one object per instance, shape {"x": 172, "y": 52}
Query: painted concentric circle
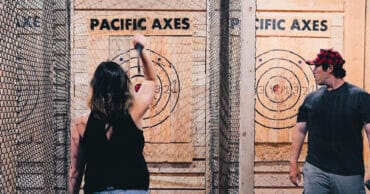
{"x": 282, "y": 82}
{"x": 167, "y": 91}
{"x": 28, "y": 92}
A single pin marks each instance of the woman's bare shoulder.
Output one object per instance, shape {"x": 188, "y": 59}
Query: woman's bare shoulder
{"x": 82, "y": 119}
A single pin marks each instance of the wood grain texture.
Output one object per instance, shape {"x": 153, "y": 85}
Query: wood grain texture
{"x": 134, "y": 4}
{"x": 301, "y": 5}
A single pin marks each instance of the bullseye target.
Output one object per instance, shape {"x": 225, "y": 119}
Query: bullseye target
{"x": 167, "y": 91}
{"x": 28, "y": 88}
{"x": 282, "y": 82}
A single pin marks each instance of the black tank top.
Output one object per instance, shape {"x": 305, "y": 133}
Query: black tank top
{"x": 117, "y": 162}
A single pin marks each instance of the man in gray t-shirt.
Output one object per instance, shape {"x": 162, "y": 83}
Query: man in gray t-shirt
{"x": 333, "y": 116}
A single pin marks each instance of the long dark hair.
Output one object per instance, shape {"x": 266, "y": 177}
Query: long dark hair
{"x": 110, "y": 91}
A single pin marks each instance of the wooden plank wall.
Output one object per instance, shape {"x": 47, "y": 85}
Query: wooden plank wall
{"x": 280, "y": 51}
{"x": 175, "y": 146}
{"x": 356, "y": 53}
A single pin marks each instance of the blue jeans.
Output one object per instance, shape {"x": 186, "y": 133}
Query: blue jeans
{"x": 316, "y": 181}
{"x": 121, "y": 191}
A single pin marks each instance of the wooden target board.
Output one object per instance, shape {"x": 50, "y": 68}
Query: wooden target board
{"x": 176, "y": 46}
{"x": 167, "y": 123}
{"x": 168, "y": 118}
{"x": 168, "y": 87}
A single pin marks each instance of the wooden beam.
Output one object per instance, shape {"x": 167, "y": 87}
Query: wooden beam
{"x": 367, "y": 83}
{"x": 247, "y": 93}
{"x": 193, "y": 5}
{"x": 301, "y": 5}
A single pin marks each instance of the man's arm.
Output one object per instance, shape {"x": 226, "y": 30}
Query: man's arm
{"x": 297, "y": 142}
{"x": 367, "y": 130}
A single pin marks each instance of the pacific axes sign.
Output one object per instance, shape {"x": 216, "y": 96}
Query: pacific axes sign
{"x": 139, "y": 24}
{"x": 174, "y": 25}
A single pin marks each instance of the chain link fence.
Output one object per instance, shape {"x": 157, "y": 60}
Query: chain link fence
{"x": 34, "y": 96}
{"x": 224, "y": 71}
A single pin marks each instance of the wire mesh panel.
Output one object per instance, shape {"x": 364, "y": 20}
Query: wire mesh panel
{"x": 234, "y": 95}
{"x": 8, "y": 92}
{"x": 224, "y": 95}
{"x": 35, "y": 133}
{"x": 214, "y": 90}
{"x": 61, "y": 88}
{"x": 34, "y": 96}
{"x": 224, "y": 100}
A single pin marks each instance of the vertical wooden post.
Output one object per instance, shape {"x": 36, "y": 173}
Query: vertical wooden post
{"x": 367, "y": 81}
{"x": 367, "y": 47}
{"x": 247, "y": 96}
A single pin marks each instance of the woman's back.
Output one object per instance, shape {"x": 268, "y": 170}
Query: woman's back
{"x": 116, "y": 161}
{"x": 108, "y": 146}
